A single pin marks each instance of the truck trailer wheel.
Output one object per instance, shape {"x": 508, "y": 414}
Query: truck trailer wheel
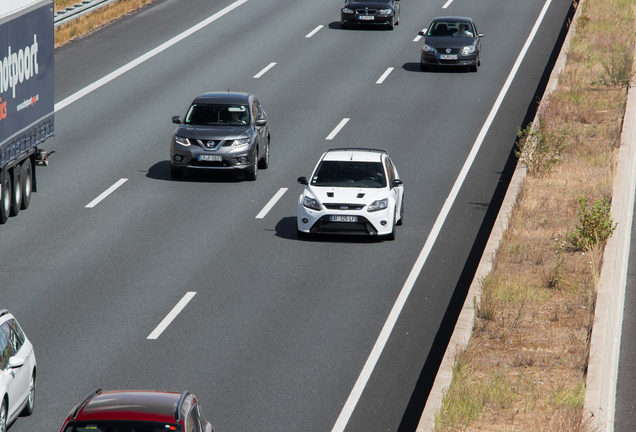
{"x": 16, "y": 190}
{"x": 27, "y": 183}
{"x": 5, "y": 196}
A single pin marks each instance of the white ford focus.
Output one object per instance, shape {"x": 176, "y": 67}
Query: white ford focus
{"x": 355, "y": 191}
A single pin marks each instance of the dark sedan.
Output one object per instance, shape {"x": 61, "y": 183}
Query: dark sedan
{"x": 380, "y": 12}
{"x": 451, "y": 41}
{"x": 221, "y": 131}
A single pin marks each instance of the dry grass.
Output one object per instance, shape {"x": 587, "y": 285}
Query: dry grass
{"x": 524, "y": 368}
{"x": 94, "y": 20}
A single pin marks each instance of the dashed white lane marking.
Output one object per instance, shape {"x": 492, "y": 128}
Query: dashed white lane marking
{"x": 384, "y": 75}
{"x": 150, "y": 54}
{"x": 374, "y": 356}
{"x": 447, "y": 4}
{"x": 268, "y": 67}
{"x": 314, "y": 31}
{"x": 417, "y": 38}
{"x": 107, "y": 192}
{"x": 172, "y": 315}
{"x": 337, "y": 129}
{"x": 271, "y": 203}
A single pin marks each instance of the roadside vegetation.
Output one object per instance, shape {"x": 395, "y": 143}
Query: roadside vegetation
{"x": 525, "y": 366}
{"x": 94, "y": 20}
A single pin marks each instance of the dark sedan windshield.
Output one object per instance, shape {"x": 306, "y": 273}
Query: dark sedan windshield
{"x": 349, "y": 174}
{"x": 208, "y": 114}
{"x": 451, "y": 29}
{"x": 121, "y": 426}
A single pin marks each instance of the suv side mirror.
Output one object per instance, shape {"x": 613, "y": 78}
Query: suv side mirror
{"x": 176, "y": 119}
{"x": 302, "y": 180}
{"x": 261, "y": 122}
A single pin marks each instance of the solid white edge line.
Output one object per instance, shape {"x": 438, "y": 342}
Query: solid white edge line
{"x": 337, "y": 129}
{"x": 447, "y": 4}
{"x": 384, "y": 75}
{"x": 314, "y": 31}
{"x": 111, "y": 76}
{"x": 383, "y": 338}
{"x": 268, "y": 67}
{"x": 172, "y": 315}
{"x": 271, "y": 203}
{"x": 107, "y": 192}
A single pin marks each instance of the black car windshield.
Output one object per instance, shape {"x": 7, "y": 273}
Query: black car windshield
{"x": 451, "y": 29}
{"x": 121, "y": 426}
{"x": 349, "y": 174}
{"x": 216, "y": 114}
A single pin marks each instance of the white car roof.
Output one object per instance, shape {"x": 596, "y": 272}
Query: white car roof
{"x": 354, "y": 154}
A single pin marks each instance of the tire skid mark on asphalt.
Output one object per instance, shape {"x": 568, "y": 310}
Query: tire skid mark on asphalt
{"x": 171, "y": 315}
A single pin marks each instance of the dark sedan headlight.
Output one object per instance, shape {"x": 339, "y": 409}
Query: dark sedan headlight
{"x": 242, "y": 142}
{"x": 181, "y": 140}
{"x": 311, "y": 203}
{"x": 467, "y": 50}
{"x": 347, "y": 11}
{"x": 385, "y": 12}
{"x": 427, "y": 48}
{"x": 378, "y": 205}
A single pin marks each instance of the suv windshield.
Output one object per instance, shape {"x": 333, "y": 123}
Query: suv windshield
{"x": 349, "y": 174}
{"x": 121, "y": 426}
{"x": 208, "y": 114}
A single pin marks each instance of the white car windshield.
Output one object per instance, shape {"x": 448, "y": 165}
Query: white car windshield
{"x": 349, "y": 174}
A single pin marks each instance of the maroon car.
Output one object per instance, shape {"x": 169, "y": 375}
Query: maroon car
{"x": 138, "y": 411}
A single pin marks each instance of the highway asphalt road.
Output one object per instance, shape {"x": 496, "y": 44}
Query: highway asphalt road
{"x": 279, "y": 330}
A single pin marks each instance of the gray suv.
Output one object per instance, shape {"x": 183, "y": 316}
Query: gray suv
{"x": 221, "y": 131}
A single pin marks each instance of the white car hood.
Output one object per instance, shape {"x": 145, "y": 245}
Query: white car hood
{"x": 352, "y": 195}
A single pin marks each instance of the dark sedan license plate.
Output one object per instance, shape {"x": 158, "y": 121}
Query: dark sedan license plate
{"x": 343, "y": 218}
{"x": 366, "y": 17}
{"x": 210, "y": 158}
{"x": 448, "y": 56}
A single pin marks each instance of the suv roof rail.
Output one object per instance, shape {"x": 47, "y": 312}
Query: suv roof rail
{"x": 86, "y": 400}
{"x": 359, "y": 149}
{"x": 177, "y": 411}
{"x": 3, "y": 312}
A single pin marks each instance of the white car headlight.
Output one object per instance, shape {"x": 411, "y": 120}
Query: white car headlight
{"x": 181, "y": 140}
{"x": 427, "y": 48}
{"x": 311, "y": 203}
{"x": 347, "y": 11}
{"x": 385, "y": 12}
{"x": 470, "y": 49}
{"x": 242, "y": 142}
{"x": 378, "y": 205}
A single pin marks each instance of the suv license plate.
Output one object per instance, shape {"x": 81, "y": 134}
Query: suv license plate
{"x": 210, "y": 158}
{"x": 343, "y": 218}
{"x": 366, "y": 17}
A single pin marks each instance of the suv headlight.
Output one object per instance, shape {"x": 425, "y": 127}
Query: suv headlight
{"x": 427, "y": 48}
{"x": 378, "y": 205}
{"x": 181, "y": 140}
{"x": 311, "y": 203}
{"x": 347, "y": 11}
{"x": 242, "y": 142}
{"x": 385, "y": 12}
{"x": 470, "y": 49}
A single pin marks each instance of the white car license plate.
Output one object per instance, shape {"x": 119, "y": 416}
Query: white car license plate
{"x": 343, "y": 218}
{"x": 366, "y": 17}
{"x": 448, "y": 56}
{"x": 210, "y": 158}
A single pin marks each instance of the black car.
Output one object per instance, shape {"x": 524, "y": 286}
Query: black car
{"x": 380, "y": 12}
{"x": 451, "y": 41}
{"x": 221, "y": 131}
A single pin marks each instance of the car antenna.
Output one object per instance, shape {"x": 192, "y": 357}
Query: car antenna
{"x": 228, "y": 84}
